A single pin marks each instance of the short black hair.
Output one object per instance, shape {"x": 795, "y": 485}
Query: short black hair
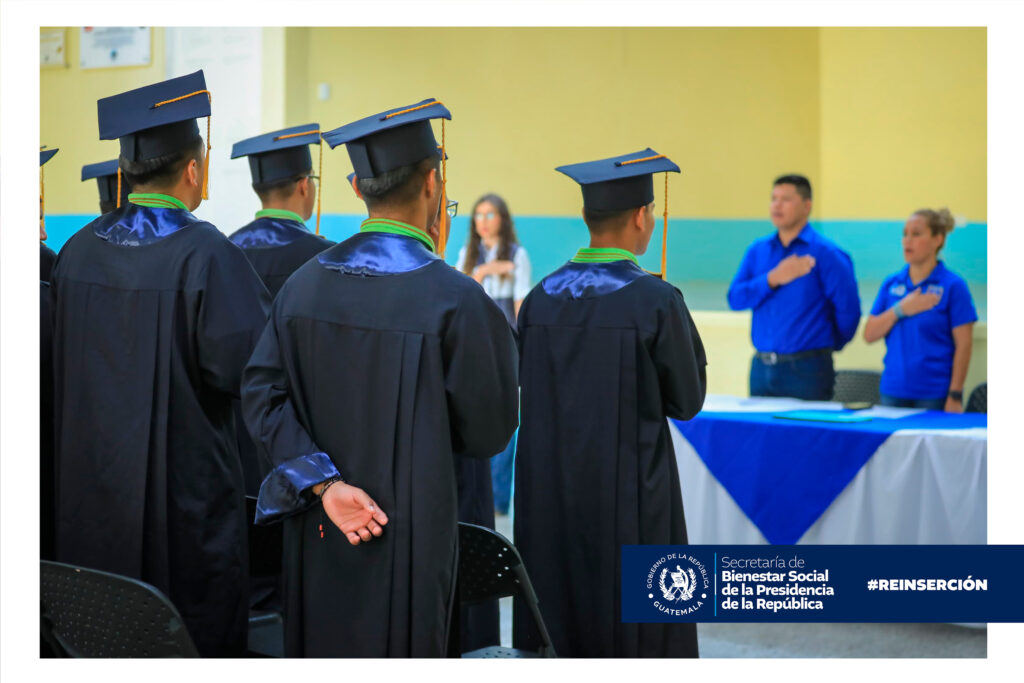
{"x": 399, "y": 186}
{"x": 604, "y": 221}
{"x": 278, "y": 189}
{"x": 162, "y": 169}
{"x": 801, "y": 183}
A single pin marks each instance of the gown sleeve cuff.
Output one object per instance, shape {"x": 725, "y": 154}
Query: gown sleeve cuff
{"x": 287, "y": 489}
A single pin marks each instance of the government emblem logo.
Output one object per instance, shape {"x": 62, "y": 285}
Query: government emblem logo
{"x": 677, "y": 584}
{"x": 684, "y": 581}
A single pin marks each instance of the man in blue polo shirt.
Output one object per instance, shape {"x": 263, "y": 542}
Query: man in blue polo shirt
{"x": 803, "y": 293}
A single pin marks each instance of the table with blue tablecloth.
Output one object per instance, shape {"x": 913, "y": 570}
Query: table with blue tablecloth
{"x": 785, "y": 471}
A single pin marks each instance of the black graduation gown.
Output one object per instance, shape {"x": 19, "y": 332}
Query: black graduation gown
{"x": 47, "y": 258}
{"x": 155, "y": 315}
{"x": 382, "y": 363}
{"x": 46, "y": 474}
{"x": 607, "y": 353}
{"x": 275, "y": 247}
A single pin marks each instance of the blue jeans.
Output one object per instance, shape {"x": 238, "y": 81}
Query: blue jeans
{"x": 811, "y": 378}
{"x": 501, "y": 475}
{"x": 926, "y": 403}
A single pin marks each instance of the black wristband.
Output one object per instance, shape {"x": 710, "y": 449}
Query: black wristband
{"x": 957, "y": 396}
{"x": 327, "y": 484}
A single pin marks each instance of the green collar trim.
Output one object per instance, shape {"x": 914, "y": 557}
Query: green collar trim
{"x": 160, "y": 201}
{"x": 280, "y": 213}
{"x": 603, "y": 255}
{"x": 397, "y": 228}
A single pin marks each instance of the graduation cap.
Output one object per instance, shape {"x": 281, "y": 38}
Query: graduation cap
{"x": 352, "y": 175}
{"x": 158, "y": 119}
{"x": 282, "y": 154}
{"x": 395, "y": 138}
{"x": 44, "y": 156}
{"x": 623, "y": 182}
{"x": 107, "y": 179}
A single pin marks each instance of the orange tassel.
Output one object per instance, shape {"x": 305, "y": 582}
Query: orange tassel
{"x": 664, "y": 230}
{"x": 119, "y": 187}
{"x": 42, "y": 201}
{"x": 320, "y": 169}
{"x": 206, "y": 161}
{"x": 442, "y": 238}
{"x": 320, "y": 190}
{"x": 637, "y": 161}
{"x": 411, "y": 109}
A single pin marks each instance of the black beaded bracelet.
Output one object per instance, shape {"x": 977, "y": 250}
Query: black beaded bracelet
{"x": 327, "y": 484}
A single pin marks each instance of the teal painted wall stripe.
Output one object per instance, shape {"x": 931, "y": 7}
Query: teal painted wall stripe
{"x": 703, "y": 254}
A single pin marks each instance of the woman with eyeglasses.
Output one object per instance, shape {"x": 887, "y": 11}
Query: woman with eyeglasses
{"x": 494, "y": 258}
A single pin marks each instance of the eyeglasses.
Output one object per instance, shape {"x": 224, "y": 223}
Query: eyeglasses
{"x": 315, "y": 179}
{"x": 479, "y": 215}
{"x": 452, "y": 208}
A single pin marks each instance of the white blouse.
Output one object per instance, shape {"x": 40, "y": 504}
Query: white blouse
{"x": 496, "y": 287}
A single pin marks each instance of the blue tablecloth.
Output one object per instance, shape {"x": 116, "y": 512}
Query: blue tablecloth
{"x": 784, "y": 474}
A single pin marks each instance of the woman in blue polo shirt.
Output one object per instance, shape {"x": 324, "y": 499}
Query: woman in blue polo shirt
{"x": 926, "y": 315}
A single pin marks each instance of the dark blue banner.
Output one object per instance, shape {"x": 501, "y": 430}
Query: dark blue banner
{"x": 823, "y": 583}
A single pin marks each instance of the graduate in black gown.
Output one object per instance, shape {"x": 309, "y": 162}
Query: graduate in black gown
{"x": 47, "y": 257}
{"x": 607, "y": 352}
{"x": 46, "y": 474}
{"x": 105, "y": 173}
{"x": 380, "y": 365}
{"x": 277, "y": 241}
{"x": 155, "y": 315}
{"x": 479, "y": 624}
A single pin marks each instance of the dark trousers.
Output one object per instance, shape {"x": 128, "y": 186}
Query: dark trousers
{"x": 926, "y": 403}
{"x": 501, "y": 475}
{"x": 810, "y": 378}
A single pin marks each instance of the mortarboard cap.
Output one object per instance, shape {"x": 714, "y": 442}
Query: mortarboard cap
{"x": 105, "y": 173}
{"x": 156, "y": 119}
{"x": 352, "y": 175}
{"x": 389, "y": 140}
{"x": 619, "y": 183}
{"x": 280, "y": 154}
{"x": 46, "y": 154}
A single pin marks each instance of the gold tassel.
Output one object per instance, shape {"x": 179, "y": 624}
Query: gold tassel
{"x": 442, "y": 238}
{"x": 664, "y": 229}
{"x": 206, "y": 161}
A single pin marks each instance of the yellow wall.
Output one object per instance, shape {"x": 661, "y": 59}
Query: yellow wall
{"x": 67, "y": 119}
{"x": 882, "y": 120}
{"x": 733, "y": 107}
{"x": 903, "y": 121}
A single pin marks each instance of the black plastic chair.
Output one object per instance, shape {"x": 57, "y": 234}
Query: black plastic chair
{"x": 978, "y": 401}
{"x": 857, "y": 386}
{"x": 490, "y": 568}
{"x": 90, "y": 613}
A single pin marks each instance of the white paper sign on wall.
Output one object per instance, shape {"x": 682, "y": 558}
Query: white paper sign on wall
{"x": 51, "y": 48}
{"x": 104, "y": 47}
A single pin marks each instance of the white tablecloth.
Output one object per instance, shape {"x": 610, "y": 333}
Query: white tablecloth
{"x": 920, "y": 486}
